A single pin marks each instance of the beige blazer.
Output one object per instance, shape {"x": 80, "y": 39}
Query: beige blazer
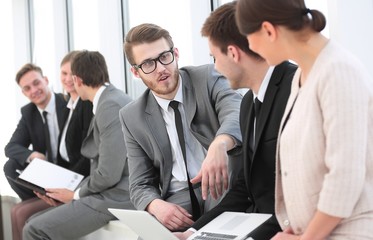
{"x": 324, "y": 151}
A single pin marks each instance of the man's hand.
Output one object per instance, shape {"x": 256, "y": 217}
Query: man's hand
{"x": 170, "y": 215}
{"x": 37, "y": 155}
{"x": 61, "y": 194}
{"x": 214, "y": 171}
{"x": 48, "y": 200}
{"x": 183, "y": 235}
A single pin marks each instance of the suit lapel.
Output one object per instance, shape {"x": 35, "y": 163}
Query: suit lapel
{"x": 189, "y": 99}
{"x": 158, "y": 130}
{"x": 90, "y": 136}
{"x": 62, "y": 111}
{"x": 265, "y": 111}
{"x": 190, "y": 108}
{"x": 269, "y": 98}
{"x": 293, "y": 96}
{"x": 247, "y": 130}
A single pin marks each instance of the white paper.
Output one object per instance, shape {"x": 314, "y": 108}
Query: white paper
{"x": 48, "y": 175}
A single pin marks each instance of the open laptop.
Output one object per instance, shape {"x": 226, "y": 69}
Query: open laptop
{"x": 228, "y": 225}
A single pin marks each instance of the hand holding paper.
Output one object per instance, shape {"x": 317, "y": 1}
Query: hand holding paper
{"x": 61, "y": 194}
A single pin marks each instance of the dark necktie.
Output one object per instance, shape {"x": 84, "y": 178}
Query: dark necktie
{"x": 180, "y": 133}
{"x": 49, "y": 153}
{"x": 257, "y": 106}
{"x": 256, "y": 110}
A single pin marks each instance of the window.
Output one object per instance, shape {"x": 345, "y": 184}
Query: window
{"x": 96, "y": 25}
{"x": 184, "y": 23}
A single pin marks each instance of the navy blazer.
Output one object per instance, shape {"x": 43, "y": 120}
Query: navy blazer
{"x": 254, "y": 188}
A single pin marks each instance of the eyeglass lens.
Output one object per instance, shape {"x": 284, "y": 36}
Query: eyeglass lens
{"x": 150, "y": 65}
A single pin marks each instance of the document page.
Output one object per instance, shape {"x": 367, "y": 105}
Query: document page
{"x": 48, "y": 175}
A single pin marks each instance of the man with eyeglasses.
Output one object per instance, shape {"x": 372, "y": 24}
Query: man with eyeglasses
{"x": 179, "y": 132}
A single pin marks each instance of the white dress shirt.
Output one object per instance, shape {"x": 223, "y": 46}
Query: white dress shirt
{"x": 195, "y": 152}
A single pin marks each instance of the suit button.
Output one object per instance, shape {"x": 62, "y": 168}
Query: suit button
{"x": 286, "y": 222}
{"x": 285, "y": 174}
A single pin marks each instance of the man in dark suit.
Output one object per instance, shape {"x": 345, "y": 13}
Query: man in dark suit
{"x": 254, "y": 189}
{"x": 159, "y": 177}
{"x": 30, "y": 129}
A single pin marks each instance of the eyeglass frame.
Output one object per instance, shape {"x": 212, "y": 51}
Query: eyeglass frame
{"x": 155, "y": 60}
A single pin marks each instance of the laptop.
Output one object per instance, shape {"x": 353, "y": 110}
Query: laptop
{"x": 228, "y": 225}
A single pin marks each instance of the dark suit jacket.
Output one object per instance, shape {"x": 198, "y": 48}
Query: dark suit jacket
{"x": 75, "y": 134}
{"x": 29, "y": 131}
{"x": 254, "y": 189}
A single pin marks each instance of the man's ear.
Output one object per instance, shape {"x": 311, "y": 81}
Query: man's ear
{"x": 269, "y": 30}
{"x": 233, "y": 52}
{"x": 78, "y": 81}
{"x": 135, "y": 72}
{"x": 46, "y": 79}
{"x": 176, "y": 54}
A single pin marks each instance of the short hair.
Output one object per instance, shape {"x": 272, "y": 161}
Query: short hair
{"x": 68, "y": 57}
{"x": 221, "y": 28}
{"x": 27, "y": 68}
{"x": 144, "y": 33}
{"x": 91, "y": 67}
{"x": 292, "y": 14}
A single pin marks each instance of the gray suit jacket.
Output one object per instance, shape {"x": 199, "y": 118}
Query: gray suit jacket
{"x": 211, "y": 108}
{"x": 107, "y": 185}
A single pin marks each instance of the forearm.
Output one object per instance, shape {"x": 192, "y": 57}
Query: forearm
{"x": 320, "y": 226}
{"x": 224, "y": 141}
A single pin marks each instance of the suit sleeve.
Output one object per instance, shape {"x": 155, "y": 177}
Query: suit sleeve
{"x": 18, "y": 146}
{"x": 227, "y": 107}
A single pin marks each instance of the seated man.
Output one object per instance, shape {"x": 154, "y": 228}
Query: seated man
{"x": 86, "y": 209}
{"x": 30, "y": 129}
{"x": 254, "y": 189}
{"x": 181, "y": 128}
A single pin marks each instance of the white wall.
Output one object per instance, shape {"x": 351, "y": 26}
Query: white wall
{"x": 351, "y": 24}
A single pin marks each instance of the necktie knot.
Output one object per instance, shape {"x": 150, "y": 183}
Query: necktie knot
{"x": 45, "y": 113}
{"x": 257, "y": 106}
{"x": 174, "y": 105}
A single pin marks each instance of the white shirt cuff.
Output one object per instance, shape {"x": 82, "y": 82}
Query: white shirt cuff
{"x": 76, "y": 194}
{"x": 192, "y": 230}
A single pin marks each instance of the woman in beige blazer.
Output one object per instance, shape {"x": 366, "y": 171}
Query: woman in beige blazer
{"x": 324, "y": 170}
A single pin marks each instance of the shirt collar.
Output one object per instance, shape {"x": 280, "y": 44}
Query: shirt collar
{"x": 71, "y": 104}
{"x": 264, "y": 85}
{"x": 178, "y": 97}
{"x": 51, "y": 106}
{"x": 97, "y": 97}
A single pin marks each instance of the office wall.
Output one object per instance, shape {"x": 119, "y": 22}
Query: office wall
{"x": 351, "y": 24}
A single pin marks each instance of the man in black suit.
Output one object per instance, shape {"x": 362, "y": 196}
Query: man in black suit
{"x": 253, "y": 191}
{"x": 30, "y": 129}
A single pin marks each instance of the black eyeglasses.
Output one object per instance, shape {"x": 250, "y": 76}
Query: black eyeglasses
{"x": 149, "y": 65}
